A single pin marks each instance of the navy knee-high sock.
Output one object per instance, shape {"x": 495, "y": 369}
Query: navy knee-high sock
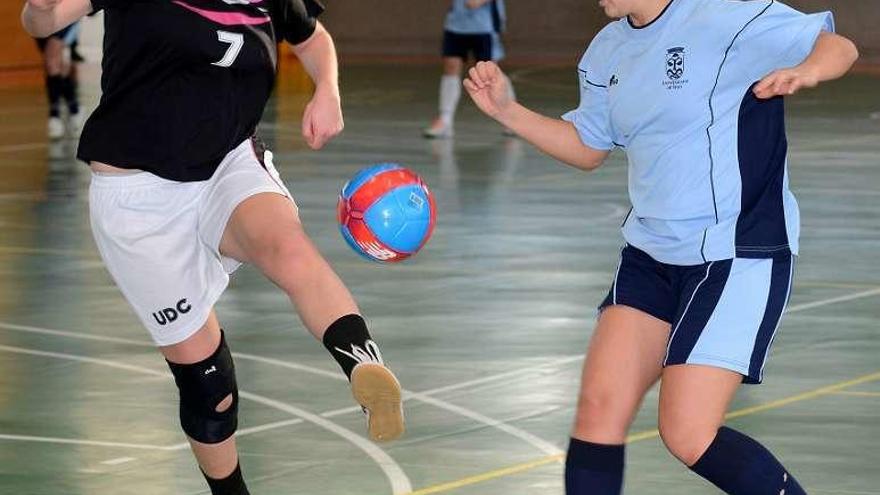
{"x": 739, "y": 465}
{"x": 69, "y": 91}
{"x": 54, "y": 91}
{"x": 593, "y": 469}
{"x": 230, "y": 485}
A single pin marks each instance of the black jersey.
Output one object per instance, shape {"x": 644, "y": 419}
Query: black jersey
{"x": 186, "y": 81}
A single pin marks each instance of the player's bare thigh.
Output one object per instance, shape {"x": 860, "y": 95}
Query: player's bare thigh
{"x": 624, "y": 360}
{"x": 262, "y": 227}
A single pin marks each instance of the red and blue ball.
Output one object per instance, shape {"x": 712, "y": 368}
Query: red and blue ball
{"x": 386, "y": 213}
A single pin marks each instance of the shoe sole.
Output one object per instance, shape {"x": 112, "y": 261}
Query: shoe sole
{"x": 376, "y": 389}
{"x": 438, "y": 135}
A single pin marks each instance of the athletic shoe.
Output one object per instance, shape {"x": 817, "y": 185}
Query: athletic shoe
{"x": 55, "y": 128}
{"x": 75, "y": 123}
{"x": 438, "y": 130}
{"x": 377, "y": 390}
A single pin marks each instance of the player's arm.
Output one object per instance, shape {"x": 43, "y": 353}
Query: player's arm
{"x": 322, "y": 119}
{"x": 831, "y": 58}
{"x": 488, "y": 88}
{"x": 42, "y": 18}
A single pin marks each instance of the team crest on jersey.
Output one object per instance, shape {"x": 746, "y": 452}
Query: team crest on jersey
{"x": 675, "y": 62}
{"x": 675, "y": 70}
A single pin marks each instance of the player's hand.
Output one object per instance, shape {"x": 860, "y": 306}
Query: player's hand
{"x": 488, "y": 87}
{"x": 785, "y": 82}
{"x": 43, "y": 4}
{"x": 474, "y": 4}
{"x": 322, "y": 119}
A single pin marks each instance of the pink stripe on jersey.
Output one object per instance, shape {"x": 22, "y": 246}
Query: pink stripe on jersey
{"x": 226, "y": 18}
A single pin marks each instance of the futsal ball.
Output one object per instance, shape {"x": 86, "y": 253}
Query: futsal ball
{"x": 386, "y": 213}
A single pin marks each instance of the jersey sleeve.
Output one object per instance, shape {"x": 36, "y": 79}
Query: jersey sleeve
{"x": 781, "y": 37}
{"x": 295, "y": 20}
{"x": 592, "y": 118}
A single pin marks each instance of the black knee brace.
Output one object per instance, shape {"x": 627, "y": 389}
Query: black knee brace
{"x": 203, "y": 386}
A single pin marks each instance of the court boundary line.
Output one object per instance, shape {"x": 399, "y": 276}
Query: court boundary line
{"x": 421, "y": 396}
{"x": 394, "y": 474}
{"x": 555, "y": 457}
{"x": 425, "y": 397}
{"x": 646, "y": 435}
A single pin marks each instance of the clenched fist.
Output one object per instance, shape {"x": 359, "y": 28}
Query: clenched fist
{"x": 488, "y": 87}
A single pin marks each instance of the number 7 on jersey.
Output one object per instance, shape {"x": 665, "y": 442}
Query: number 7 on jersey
{"x": 236, "y": 41}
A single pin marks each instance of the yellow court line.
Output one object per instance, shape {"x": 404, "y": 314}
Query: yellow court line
{"x": 859, "y": 394}
{"x": 830, "y": 389}
{"x": 489, "y": 475}
{"x": 648, "y": 434}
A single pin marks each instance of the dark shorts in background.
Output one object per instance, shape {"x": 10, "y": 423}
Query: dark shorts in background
{"x": 483, "y": 47}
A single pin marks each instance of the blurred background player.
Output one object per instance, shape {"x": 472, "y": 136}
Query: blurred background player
{"x": 473, "y": 28}
{"x": 692, "y": 91}
{"x": 183, "y": 192}
{"x": 59, "y": 62}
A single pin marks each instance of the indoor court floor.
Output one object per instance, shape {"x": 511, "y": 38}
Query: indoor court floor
{"x": 486, "y": 328}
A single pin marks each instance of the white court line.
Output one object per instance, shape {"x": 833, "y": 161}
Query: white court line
{"x": 527, "y": 437}
{"x": 422, "y": 396}
{"x": 77, "y": 441}
{"x": 833, "y": 300}
{"x": 500, "y": 376}
{"x": 74, "y": 335}
{"x": 245, "y": 431}
{"x": 537, "y": 413}
{"x": 142, "y": 446}
{"x": 117, "y": 461}
{"x": 289, "y": 365}
{"x": 538, "y": 443}
{"x": 541, "y": 444}
{"x": 400, "y": 483}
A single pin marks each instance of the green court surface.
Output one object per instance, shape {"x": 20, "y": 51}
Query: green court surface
{"x": 486, "y": 328}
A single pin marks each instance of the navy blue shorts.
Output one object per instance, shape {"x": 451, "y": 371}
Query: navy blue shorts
{"x": 483, "y": 47}
{"x": 723, "y": 313}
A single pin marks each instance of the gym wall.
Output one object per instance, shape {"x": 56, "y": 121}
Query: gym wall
{"x": 17, "y": 49}
{"x": 554, "y": 31}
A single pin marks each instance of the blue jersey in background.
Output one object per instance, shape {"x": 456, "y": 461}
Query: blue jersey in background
{"x": 489, "y": 18}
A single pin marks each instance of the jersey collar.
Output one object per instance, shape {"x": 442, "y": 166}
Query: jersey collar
{"x": 656, "y": 23}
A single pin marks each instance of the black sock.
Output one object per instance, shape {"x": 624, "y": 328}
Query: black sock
{"x": 594, "y": 469}
{"x": 68, "y": 91}
{"x": 230, "y": 485}
{"x": 54, "y": 90}
{"x": 739, "y": 465}
{"x": 349, "y": 342}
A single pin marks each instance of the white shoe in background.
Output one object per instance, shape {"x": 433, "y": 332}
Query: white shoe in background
{"x": 55, "y": 128}
{"x": 75, "y": 124}
{"x": 438, "y": 130}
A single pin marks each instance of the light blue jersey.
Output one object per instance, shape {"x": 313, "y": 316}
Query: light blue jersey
{"x": 708, "y": 174}
{"x": 488, "y": 18}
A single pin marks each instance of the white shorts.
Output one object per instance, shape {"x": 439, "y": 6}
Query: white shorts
{"x": 160, "y": 239}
